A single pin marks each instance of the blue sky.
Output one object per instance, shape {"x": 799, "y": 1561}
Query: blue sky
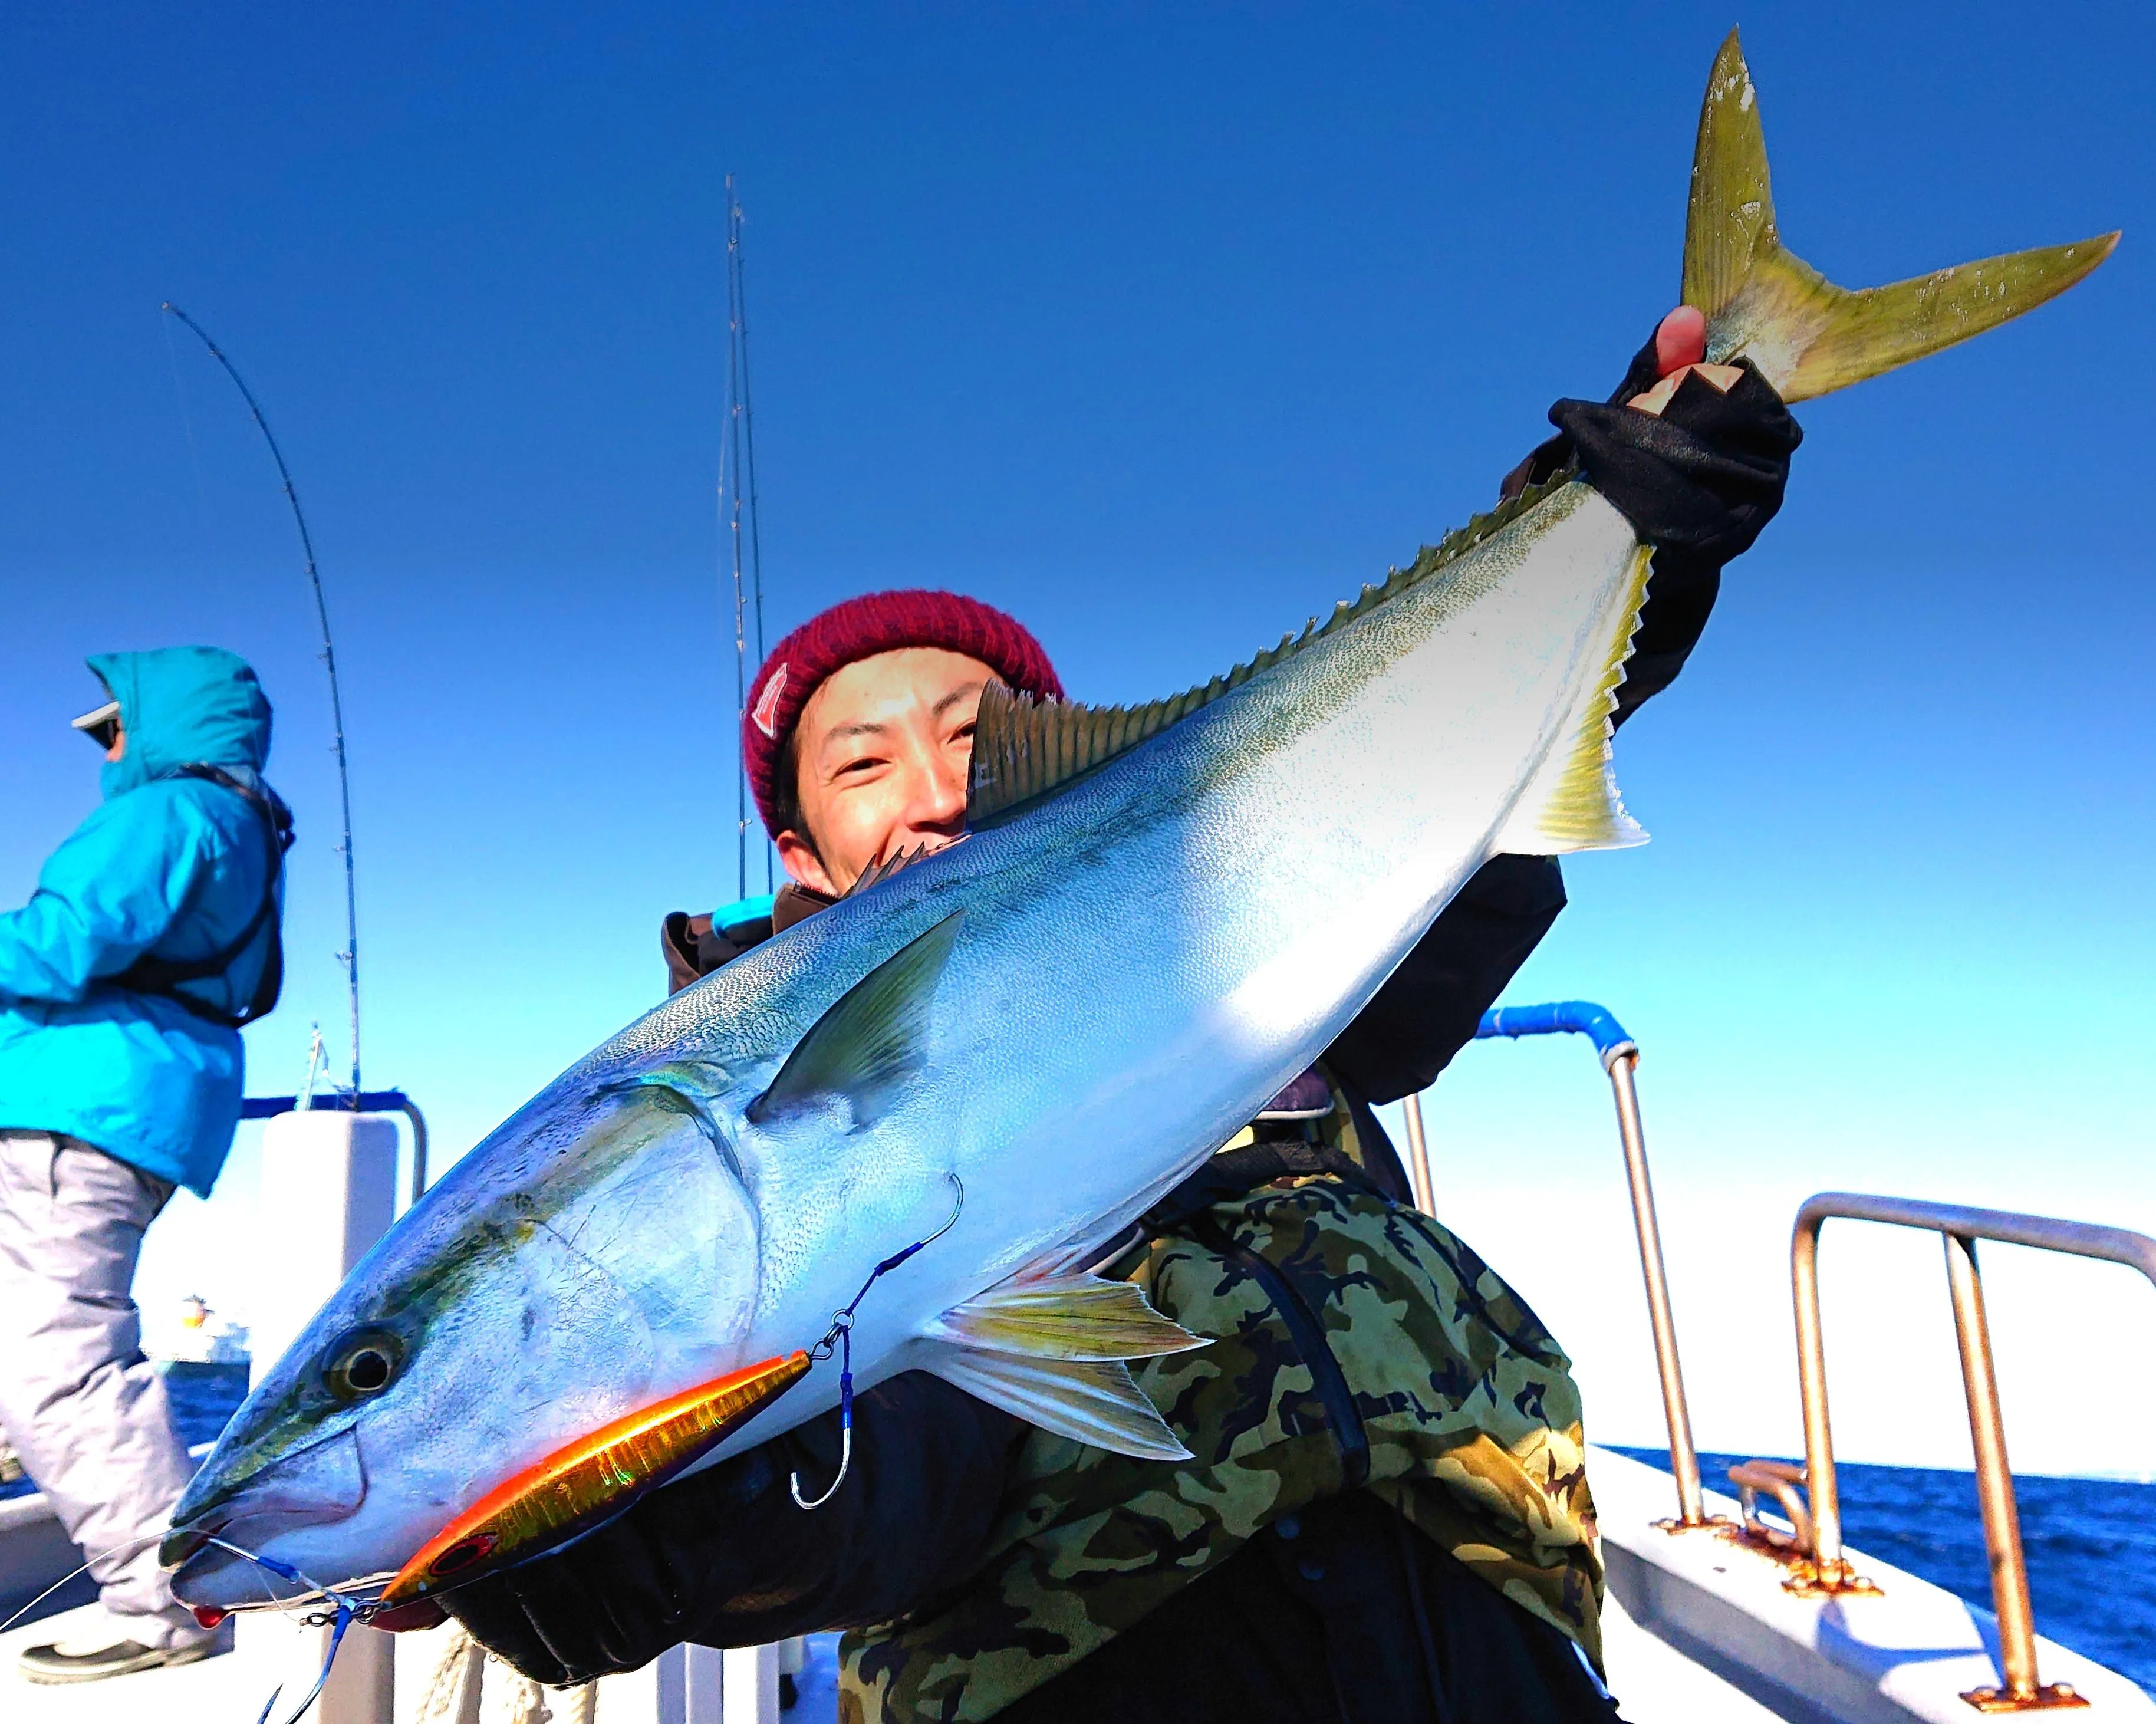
{"x": 1163, "y": 330}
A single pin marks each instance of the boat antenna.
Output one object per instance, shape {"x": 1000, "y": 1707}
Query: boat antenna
{"x": 737, "y": 507}
{"x": 349, "y": 957}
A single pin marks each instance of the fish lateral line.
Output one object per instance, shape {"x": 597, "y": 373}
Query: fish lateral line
{"x": 598, "y": 1474}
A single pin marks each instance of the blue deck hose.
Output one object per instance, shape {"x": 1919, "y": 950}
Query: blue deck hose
{"x": 1558, "y": 1018}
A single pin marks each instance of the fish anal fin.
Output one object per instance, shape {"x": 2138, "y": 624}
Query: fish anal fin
{"x": 872, "y": 1040}
{"x": 1091, "y": 1401}
{"x": 1806, "y": 335}
{"x": 1067, "y": 1317}
{"x": 1571, "y": 802}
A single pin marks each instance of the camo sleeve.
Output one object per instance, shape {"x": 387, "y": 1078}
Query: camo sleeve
{"x": 1468, "y": 1408}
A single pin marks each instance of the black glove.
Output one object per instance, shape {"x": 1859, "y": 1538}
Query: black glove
{"x": 724, "y": 1557}
{"x": 1698, "y": 482}
{"x": 1700, "y": 479}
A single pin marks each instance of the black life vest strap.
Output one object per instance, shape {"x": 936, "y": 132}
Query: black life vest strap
{"x": 162, "y": 976}
{"x": 1234, "y": 1173}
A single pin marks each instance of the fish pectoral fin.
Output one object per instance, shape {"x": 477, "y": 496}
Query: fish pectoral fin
{"x": 1072, "y": 1316}
{"x": 1052, "y": 1351}
{"x": 874, "y": 1038}
{"x": 1572, "y": 802}
{"x": 1091, "y": 1401}
{"x": 1806, "y": 335}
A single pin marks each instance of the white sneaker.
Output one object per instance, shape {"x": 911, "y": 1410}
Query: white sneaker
{"x": 105, "y": 1649}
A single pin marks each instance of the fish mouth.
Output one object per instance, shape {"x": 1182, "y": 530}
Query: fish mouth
{"x": 319, "y": 1485}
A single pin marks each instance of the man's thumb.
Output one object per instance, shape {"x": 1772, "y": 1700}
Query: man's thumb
{"x": 1681, "y": 339}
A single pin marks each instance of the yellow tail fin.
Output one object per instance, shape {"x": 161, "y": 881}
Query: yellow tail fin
{"x": 1806, "y": 335}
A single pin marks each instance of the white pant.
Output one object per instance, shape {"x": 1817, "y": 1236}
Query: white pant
{"x": 82, "y": 1408}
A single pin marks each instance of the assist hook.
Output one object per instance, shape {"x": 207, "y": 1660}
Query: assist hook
{"x": 840, "y": 1338}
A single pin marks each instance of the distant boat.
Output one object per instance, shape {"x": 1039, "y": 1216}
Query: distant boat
{"x": 196, "y": 1335}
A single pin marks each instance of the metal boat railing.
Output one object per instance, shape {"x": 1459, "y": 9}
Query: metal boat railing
{"x": 1621, "y": 1059}
{"x": 1813, "y": 1547}
{"x": 1823, "y": 1567}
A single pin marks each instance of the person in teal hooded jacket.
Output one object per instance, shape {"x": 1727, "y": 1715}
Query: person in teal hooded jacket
{"x": 152, "y": 936}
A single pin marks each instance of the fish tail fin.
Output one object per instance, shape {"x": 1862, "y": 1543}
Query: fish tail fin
{"x": 1806, "y": 335}
{"x": 1572, "y": 802}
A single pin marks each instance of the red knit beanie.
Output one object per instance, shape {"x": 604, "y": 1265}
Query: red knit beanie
{"x": 859, "y": 629}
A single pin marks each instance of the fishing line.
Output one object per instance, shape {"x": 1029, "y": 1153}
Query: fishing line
{"x": 131, "y": 1546}
{"x": 127, "y": 1548}
{"x": 187, "y": 422}
{"x": 840, "y": 1337}
{"x": 345, "y": 1612}
{"x": 350, "y": 956}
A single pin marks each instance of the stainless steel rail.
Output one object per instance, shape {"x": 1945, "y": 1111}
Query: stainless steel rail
{"x": 1425, "y": 1188}
{"x": 1620, "y": 1057}
{"x": 1676, "y": 1412}
{"x": 1959, "y": 1228}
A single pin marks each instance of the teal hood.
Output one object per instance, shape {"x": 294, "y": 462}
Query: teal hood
{"x": 184, "y": 706}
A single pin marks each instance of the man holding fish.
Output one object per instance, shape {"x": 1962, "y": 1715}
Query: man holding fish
{"x": 1147, "y": 1430}
{"x": 1334, "y": 1546}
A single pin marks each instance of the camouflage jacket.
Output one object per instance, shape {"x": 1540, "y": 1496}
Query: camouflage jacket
{"x": 1467, "y": 1407}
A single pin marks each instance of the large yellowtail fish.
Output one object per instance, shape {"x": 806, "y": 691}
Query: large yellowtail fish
{"x": 1015, "y": 1045}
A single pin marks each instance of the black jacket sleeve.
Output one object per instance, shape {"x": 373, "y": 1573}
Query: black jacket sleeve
{"x": 1427, "y": 1008}
{"x": 1698, "y": 482}
{"x": 725, "y": 1558}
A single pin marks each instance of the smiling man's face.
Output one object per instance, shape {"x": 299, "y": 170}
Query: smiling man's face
{"x": 881, "y": 755}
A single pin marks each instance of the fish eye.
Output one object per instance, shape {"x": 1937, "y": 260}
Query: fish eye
{"x": 361, "y": 1363}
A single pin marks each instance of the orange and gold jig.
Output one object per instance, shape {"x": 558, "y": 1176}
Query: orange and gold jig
{"x": 596, "y": 1473}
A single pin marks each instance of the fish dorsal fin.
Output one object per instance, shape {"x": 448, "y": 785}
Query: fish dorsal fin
{"x": 1805, "y": 335}
{"x": 1571, "y": 802}
{"x": 1064, "y": 1317}
{"x": 1025, "y": 750}
{"x": 872, "y": 1041}
{"x": 1089, "y": 1401}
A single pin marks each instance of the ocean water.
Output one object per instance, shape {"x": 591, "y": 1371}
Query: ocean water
{"x": 204, "y": 1398}
{"x": 2091, "y": 1545}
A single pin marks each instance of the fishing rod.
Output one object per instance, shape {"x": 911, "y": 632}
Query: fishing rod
{"x": 349, "y": 957}
{"x": 737, "y": 498}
